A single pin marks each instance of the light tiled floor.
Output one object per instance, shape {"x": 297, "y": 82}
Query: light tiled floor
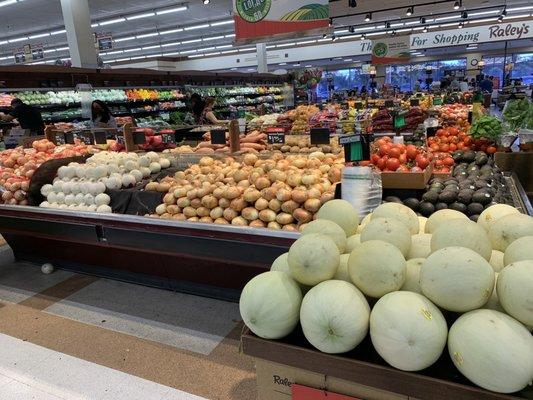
{"x": 28, "y": 371}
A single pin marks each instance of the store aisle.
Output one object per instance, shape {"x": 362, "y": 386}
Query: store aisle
{"x": 71, "y": 336}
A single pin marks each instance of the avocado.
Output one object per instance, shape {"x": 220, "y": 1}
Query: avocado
{"x": 393, "y": 199}
{"x": 412, "y": 203}
{"x": 436, "y": 180}
{"x": 460, "y": 173}
{"x": 447, "y": 196}
{"x": 458, "y": 207}
{"x": 474, "y": 217}
{"x": 441, "y": 206}
{"x": 457, "y": 156}
{"x": 469, "y": 156}
{"x": 481, "y": 158}
{"x": 486, "y": 168}
{"x": 453, "y": 187}
{"x": 481, "y": 196}
{"x": 430, "y": 197}
{"x": 481, "y": 184}
{"x": 450, "y": 181}
{"x": 466, "y": 184}
{"x": 426, "y": 208}
{"x": 436, "y": 185}
{"x": 465, "y": 196}
{"x": 474, "y": 208}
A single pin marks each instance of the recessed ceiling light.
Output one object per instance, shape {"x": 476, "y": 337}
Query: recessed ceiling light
{"x": 368, "y": 17}
{"x": 457, "y": 5}
{"x": 410, "y": 11}
{"x": 207, "y": 2}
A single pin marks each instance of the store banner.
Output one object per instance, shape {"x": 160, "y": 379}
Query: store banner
{"x": 392, "y": 50}
{"x": 258, "y": 20}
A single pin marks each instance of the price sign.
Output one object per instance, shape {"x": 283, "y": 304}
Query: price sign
{"x": 347, "y": 139}
{"x": 399, "y": 121}
{"x": 319, "y": 136}
{"x": 69, "y": 138}
{"x": 275, "y": 138}
{"x": 300, "y": 392}
{"x": 100, "y": 137}
{"x": 358, "y": 105}
{"x": 218, "y": 136}
{"x": 59, "y": 138}
{"x": 168, "y": 138}
{"x": 86, "y": 137}
{"x": 415, "y": 102}
{"x": 139, "y": 138}
{"x": 389, "y": 103}
{"x": 432, "y": 131}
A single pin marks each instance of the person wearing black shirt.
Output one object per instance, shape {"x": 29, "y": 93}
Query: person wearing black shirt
{"x": 27, "y": 116}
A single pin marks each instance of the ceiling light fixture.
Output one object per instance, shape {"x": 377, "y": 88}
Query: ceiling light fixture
{"x": 425, "y": 29}
{"x": 500, "y": 18}
{"x": 206, "y": 2}
{"x": 410, "y": 11}
{"x": 368, "y": 17}
{"x": 7, "y": 2}
{"x": 139, "y": 16}
{"x": 230, "y": 21}
{"x": 40, "y": 35}
{"x": 171, "y": 10}
{"x": 190, "y": 28}
{"x": 387, "y": 24}
{"x": 464, "y": 14}
{"x": 457, "y": 5}
{"x": 112, "y": 21}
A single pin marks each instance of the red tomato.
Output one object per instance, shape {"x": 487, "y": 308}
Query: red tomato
{"x": 460, "y": 146}
{"x": 439, "y": 163}
{"x": 411, "y": 151}
{"x": 382, "y": 162}
{"x": 422, "y": 162}
{"x": 453, "y": 147}
{"x": 375, "y": 158}
{"x": 491, "y": 149}
{"x": 444, "y": 148}
{"x": 448, "y": 161}
{"x": 402, "y": 168}
{"x": 445, "y": 170}
{"x": 393, "y": 164}
{"x": 441, "y": 132}
{"x": 380, "y": 142}
{"x": 434, "y": 147}
{"x": 453, "y": 130}
{"x": 394, "y": 152}
{"x": 403, "y": 158}
{"x": 364, "y": 163}
{"x": 416, "y": 169}
{"x": 384, "y": 149}
{"x": 401, "y": 147}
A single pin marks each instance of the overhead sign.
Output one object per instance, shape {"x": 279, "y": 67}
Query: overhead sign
{"x": 104, "y": 41}
{"x": 28, "y": 52}
{"x": 391, "y": 50}
{"x": 257, "y": 20}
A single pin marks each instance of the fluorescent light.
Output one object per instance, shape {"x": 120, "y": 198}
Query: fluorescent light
{"x": 282, "y": 63}
{"x": 171, "y": 10}
{"x": 191, "y": 41}
{"x": 445, "y": 25}
{"x": 151, "y": 47}
{"x": 40, "y": 35}
{"x": 308, "y": 66}
{"x": 206, "y": 49}
{"x": 348, "y": 59}
{"x": 139, "y": 16}
{"x": 195, "y": 56}
{"x": 65, "y": 59}
{"x": 306, "y": 42}
{"x": 49, "y": 51}
{"x": 145, "y": 35}
{"x": 517, "y": 16}
{"x": 230, "y": 35}
{"x": 412, "y": 23}
{"x": 230, "y": 21}
{"x": 171, "y": 54}
{"x": 114, "y": 52}
{"x": 132, "y": 50}
{"x": 112, "y": 21}
{"x": 226, "y": 46}
{"x": 137, "y": 57}
{"x": 324, "y": 40}
{"x": 58, "y": 32}
{"x": 124, "y": 39}
{"x": 363, "y": 29}
{"x": 374, "y": 34}
{"x": 193, "y": 27}
{"x": 95, "y": 25}
{"x": 475, "y": 14}
{"x": 7, "y": 2}
{"x": 121, "y": 59}
{"x": 3, "y": 41}
{"x": 212, "y": 54}
{"x": 395, "y": 25}
{"x": 341, "y": 31}
{"x": 403, "y": 30}
{"x": 520, "y": 8}
{"x": 248, "y": 49}
{"x": 447, "y": 18}
{"x": 171, "y": 31}
{"x": 188, "y": 51}
{"x": 20, "y": 39}
{"x": 479, "y": 21}
{"x": 213, "y": 38}
{"x": 286, "y": 44}
{"x": 272, "y": 46}
{"x": 171, "y": 44}
{"x": 61, "y": 48}
{"x": 228, "y": 51}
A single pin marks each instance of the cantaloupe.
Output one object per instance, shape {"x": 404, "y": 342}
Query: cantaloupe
{"x": 342, "y": 273}
{"x": 364, "y": 222}
{"x": 328, "y": 228}
{"x": 496, "y": 260}
{"x": 420, "y": 246}
{"x": 389, "y": 230}
{"x": 494, "y": 213}
{"x": 377, "y": 268}
{"x": 270, "y": 304}
{"x": 457, "y": 279}
{"x": 281, "y": 263}
{"x": 464, "y": 233}
{"x": 422, "y": 222}
{"x": 515, "y": 290}
{"x": 519, "y": 250}
{"x": 400, "y": 212}
{"x": 507, "y": 229}
{"x": 352, "y": 242}
{"x": 342, "y": 213}
{"x": 441, "y": 216}
{"x": 412, "y": 275}
{"x": 313, "y": 258}
{"x": 407, "y": 330}
{"x": 334, "y": 316}
{"x": 492, "y": 350}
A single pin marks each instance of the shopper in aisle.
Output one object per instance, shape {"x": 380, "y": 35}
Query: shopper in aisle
{"x": 208, "y": 116}
{"x": 463, "y": 85}
{"x": 486, "y": 84}
{"x": 101, "y": 116}
{"x": 27, "y": 116}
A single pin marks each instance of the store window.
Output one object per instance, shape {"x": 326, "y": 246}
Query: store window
{"x": 522, "y": 66}
{"x": 343, "y": 79}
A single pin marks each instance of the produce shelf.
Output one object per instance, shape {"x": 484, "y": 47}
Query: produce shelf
{"x": 363, "y": 366}
{"x": 208, "y": 260}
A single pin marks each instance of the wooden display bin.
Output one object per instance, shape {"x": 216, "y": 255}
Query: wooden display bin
{"x": 360, "y": 374}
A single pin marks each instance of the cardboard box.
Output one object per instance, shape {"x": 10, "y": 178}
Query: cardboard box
{"x": 406, "y": 180}
{"x": 274, "y": 383}
{"x": 442, "y": 175}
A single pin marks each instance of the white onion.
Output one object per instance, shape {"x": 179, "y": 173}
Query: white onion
{"x": 128, "y": 180}
{"x": 60, "y": 198}
{"x": 46, "y": 189}
{"x": 164, "y": 162}
{"x": 146, "y": 172}
{"x": 69, "y": 199}
{"x": 137, "y": 174}
{"x": 58, "y": 186}
{"x": 88, "y": 199}
{"x": 104, "y": 209}
{"x": 155, "y": 167}
{"x": 102, "y": 199}
{"x": 52, "y": 197}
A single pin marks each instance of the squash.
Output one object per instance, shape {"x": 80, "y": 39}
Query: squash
{"x": 342, "y": 273}
{"x": 389, "y": 230}
{"x": 313, "y": 258}
{"x": 492, "y": 350}
{"x": 420, "y": 246}
{"x": 328, "y": 228}
{"x": 519, "y": 250}
{"x": 270, "y": 304}
{"x": 515, "y": 290}
{"x": 507, "y": 229}
{"x": 377, "y": 268}
{"x": 496, "y": 260}
{"x": 494, "y": 213}
{"x": 457, "y": 279}
{"x": 342, "y": 213}
{"x": 464, "y": 233}
{"x": 408, "y": 330}
{"x": 412, "y": 275}
{"x": 352, "y": 242}
{"x": 437, "y": 218}
{"x": 400, "y": 212}
{"x": 334, "y": 316}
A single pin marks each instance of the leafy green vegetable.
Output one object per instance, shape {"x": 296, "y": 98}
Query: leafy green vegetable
{"x": 487, "y": 127}
{"x": 516, "y": 113}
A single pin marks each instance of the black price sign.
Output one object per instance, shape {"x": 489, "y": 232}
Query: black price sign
{"x": 276, "y": 138}
{"x": 59, "y": 138}
{"x": 69, "y": 138}
{"x": 86, "y": 138}
{"x": 432, "y": 131}
{"x": 100, "y": 137}
{"x": 358, "y": 105}
{"x": 139, "y": 138}
{"x": 389, "y": 103}
{"x": 168, "y": 138}
{"x": 470, "y": 117}
{"x": 415, "y": 102}
{"x": 218, "y": 136}
{"x": 347, "y": 139}
{"x": 319, "y": 136}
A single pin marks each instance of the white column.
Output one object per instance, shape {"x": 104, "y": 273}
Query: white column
{"x": 262, "y": 64}
{"x": 80, "y": 37}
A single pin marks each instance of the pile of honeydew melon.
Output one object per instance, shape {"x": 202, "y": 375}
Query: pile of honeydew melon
{"x": 82, "y": 187}
{"x": 411, "y": 270}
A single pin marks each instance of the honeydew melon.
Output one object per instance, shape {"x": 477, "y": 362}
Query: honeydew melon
{"x": 442, "y": 216}
{"x": 400, "y": 212}
{"x": 496, "y": 260}
{"x": 422, "y": 221}
{"x": 464, "y": 233}
{"x": 389, "y": 230}
{"x": 342, "y": 273}
{"x": 507, "y": 229}
{"x": 492, "y": 350}
{"x": 515, "y": 290}
{"x": 412, "y": 275}
{"x": 457, "y": 279}
{"x": 352, "y": 242}
{"x": 334, "y": 316}
{"x": 494, "y": 213}
{"x": 420, "y": 246}
{"x": 364, "y": 222}
{"x": 328, "y": 228}
{"x": 270, "y": 304}
{"x": 281, "y": 263}
{"x": 408, "y": 330}
{"x": 342, "y": 213}
{"x": 521, "y": 249}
